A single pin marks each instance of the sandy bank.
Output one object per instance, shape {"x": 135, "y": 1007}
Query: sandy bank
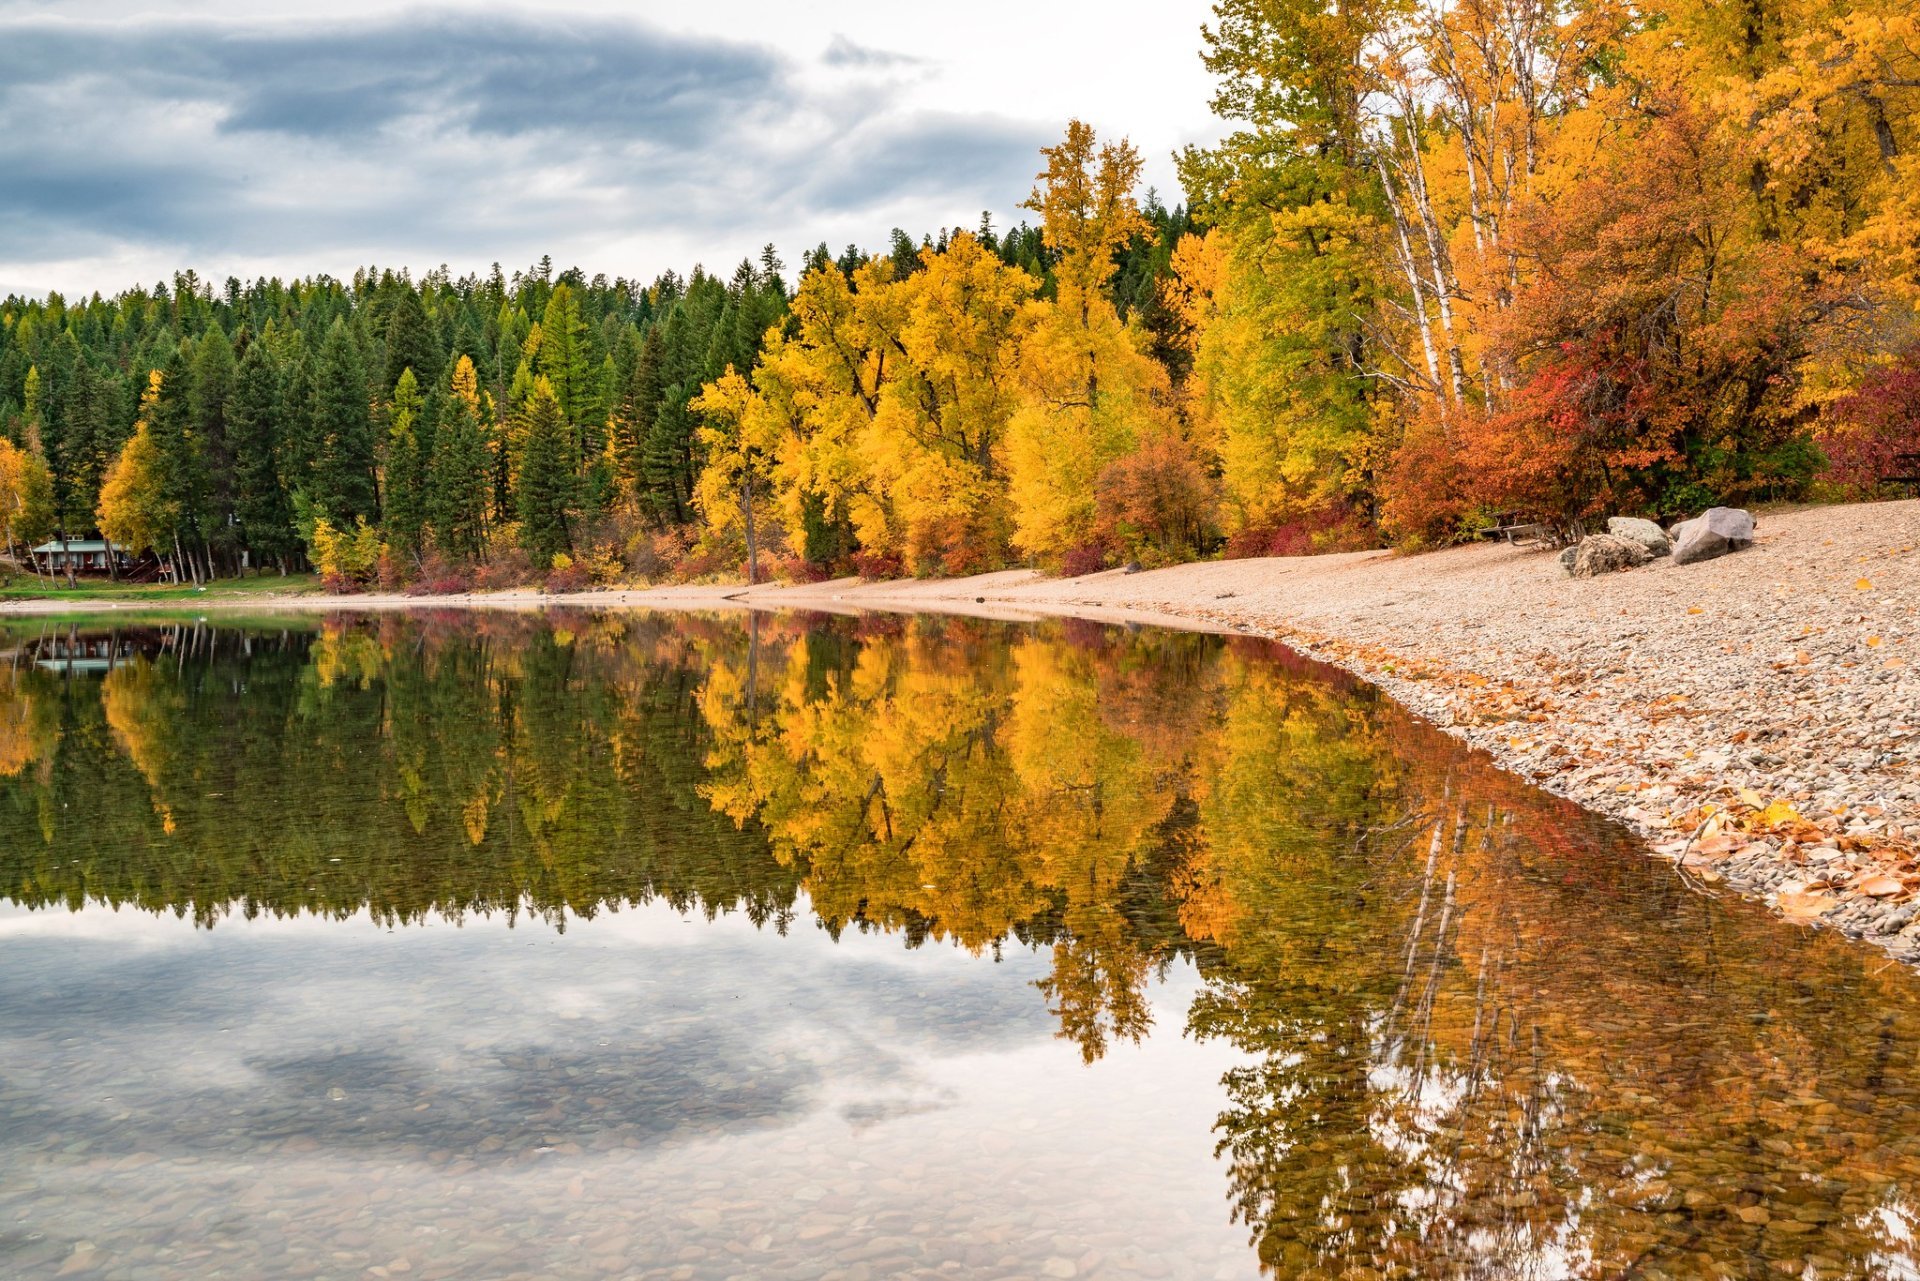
{"x": 1756, "y": 717}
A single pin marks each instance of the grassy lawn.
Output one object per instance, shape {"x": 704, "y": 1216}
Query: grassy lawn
{"x": 27, "y": 587}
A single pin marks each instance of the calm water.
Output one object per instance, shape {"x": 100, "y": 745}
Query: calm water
{"x": 491, "y": 946}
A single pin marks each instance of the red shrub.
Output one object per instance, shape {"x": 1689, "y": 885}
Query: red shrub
{"x": 576, "y": 576}
{"x": 877, "y": 565}
{"x": 1088, "y": 558}
{"x": 1865, "y": 431}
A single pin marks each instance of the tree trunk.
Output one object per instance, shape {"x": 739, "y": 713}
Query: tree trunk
{"x": 746, "y": 507}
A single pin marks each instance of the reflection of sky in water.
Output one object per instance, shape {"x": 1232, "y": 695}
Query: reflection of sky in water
{"x": 643, "y": 1091}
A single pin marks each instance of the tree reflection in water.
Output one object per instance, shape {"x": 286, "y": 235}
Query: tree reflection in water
{"x": 1481, "y": 1035}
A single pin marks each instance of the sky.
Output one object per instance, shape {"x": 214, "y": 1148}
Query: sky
{"x": 254, "y": 139}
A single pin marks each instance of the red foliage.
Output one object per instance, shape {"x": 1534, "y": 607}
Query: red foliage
{"x": 1333, "y": 528}
{"x": 1088, "y": 558}
{"x": 877, "y": 565}
{"x": 444, "y": 583}
{"x": 1157, "y": 503}
{"x": 575, "y": 577}
{"x": 1866, "y": 431}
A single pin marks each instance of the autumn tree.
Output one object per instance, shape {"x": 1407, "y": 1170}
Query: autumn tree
{"x": 1088, "y": 393}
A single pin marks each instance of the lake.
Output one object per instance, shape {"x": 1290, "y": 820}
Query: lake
{"x": 488, "y": 945}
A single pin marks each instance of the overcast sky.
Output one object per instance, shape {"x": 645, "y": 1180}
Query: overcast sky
{"x": 248, "y": 138}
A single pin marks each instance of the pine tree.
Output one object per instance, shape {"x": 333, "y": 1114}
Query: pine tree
{"x": 565, "y": 360}
{"x": 210, "y": 385}
{"x": 344, "y": 482}
{"x": 635, "y": 407}
{"x": 546, "y": 488}
{"x": 405, "y": 486}
{"x": 461, "y": 475}
{"x": 411, "y": 343}
{"x": 255, "y": 410}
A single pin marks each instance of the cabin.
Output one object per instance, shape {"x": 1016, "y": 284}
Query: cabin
{"x": 82, "y": 556}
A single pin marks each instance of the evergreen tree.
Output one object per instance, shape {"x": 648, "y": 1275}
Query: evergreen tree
{"x": 546, "y": 488}
{"x": 565, "y": 360}
{"x": 210, "y": 386}
{"x": 255, "y": 411}
{"x": 406, "y": 514}
{"x": 460, "y": 490}
{"x": 343, "y": 482}
{"x": 411, "y": 343}
{"x": 635, "y": 407}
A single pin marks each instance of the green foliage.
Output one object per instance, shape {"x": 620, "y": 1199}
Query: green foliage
{"x": 548, "y": 491}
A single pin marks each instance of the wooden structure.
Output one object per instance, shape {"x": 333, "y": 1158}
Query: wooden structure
{"x": 82, "y": 556}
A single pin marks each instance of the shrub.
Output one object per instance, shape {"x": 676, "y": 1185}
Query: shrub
{"x": 877, "y": 565}
{"x": 1088, "y": 558}
{"x": 1864, "y": 431}
{"x": 567, "y": 575}
{"x": 1335, "y": 527}
{"x": 508, "y": 567}
{"x": 1156, "y": 504}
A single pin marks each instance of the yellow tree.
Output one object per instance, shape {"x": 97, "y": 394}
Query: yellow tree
{"x": 742, "y": 433}
{"x": 934, "y": 441}
{"x": 26, "y": 495}
{"x": 134, "y": 510}
{"x": 1088, "y": 392}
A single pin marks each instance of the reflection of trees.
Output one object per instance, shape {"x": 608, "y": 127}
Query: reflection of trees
{"x": 469, "y": 764}
{"x": 1482, "y": 1042}
{"x": 939, "y": 781}
{"x": 1476, "y": 1039}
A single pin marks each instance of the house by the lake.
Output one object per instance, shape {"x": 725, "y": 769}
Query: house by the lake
{"x": 82, "y": 556}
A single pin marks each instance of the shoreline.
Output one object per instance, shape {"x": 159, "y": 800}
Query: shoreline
{"x": 1755, "y": 718}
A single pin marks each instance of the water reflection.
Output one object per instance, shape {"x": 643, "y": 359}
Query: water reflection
{"x": 1429, "y": 1022}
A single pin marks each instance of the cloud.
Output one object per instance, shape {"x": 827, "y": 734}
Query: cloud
{"x": 842, "y": 52}
{"x": 429, "y": 137}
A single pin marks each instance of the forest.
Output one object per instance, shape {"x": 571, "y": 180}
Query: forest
{"x": 1449, "y": 262}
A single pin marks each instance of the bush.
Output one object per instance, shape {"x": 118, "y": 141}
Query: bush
{"x": 444, "y": 583}
{"x": 567, "y": 575}
{"x": 1864, "y": 431}
{"x": 873, "y": 566}
{"x": 1332, "y": 528}
{"x": 1156, "y": 504}
{"x": 508, "y": 567}
{"x": 1088, "y": 558}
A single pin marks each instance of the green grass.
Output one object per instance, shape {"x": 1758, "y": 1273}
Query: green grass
{"x": 27, "y": 587}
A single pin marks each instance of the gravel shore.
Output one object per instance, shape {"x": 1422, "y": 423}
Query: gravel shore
{"x": 1755, "y": 717}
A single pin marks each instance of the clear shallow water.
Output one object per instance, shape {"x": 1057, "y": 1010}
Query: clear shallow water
{"x": 484, "y": 946}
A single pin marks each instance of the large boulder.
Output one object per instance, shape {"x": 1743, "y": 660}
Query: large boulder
{"x": 1714, "y": 532}
{"x": 1644, "y": 532}
{"x": 1604, "y": 554}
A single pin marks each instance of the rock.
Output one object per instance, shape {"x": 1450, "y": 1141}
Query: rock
{"x": 1605, "y": 554}
{"x": 1644, "y": 532}
{"x": 1567, "y": 556}
{"x": 1714, "y": 532}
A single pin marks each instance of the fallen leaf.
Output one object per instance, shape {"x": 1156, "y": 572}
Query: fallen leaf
{"x": 1862, "y": 585}
{"x": 1873, "y": 642}
{"x": 1882, "y": 886}
{"x": 1777, "y": 813}
{"x": 1695, "y": 609}
{"x": 1803, "y": 905}
{"x": 1802, "y": 657}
